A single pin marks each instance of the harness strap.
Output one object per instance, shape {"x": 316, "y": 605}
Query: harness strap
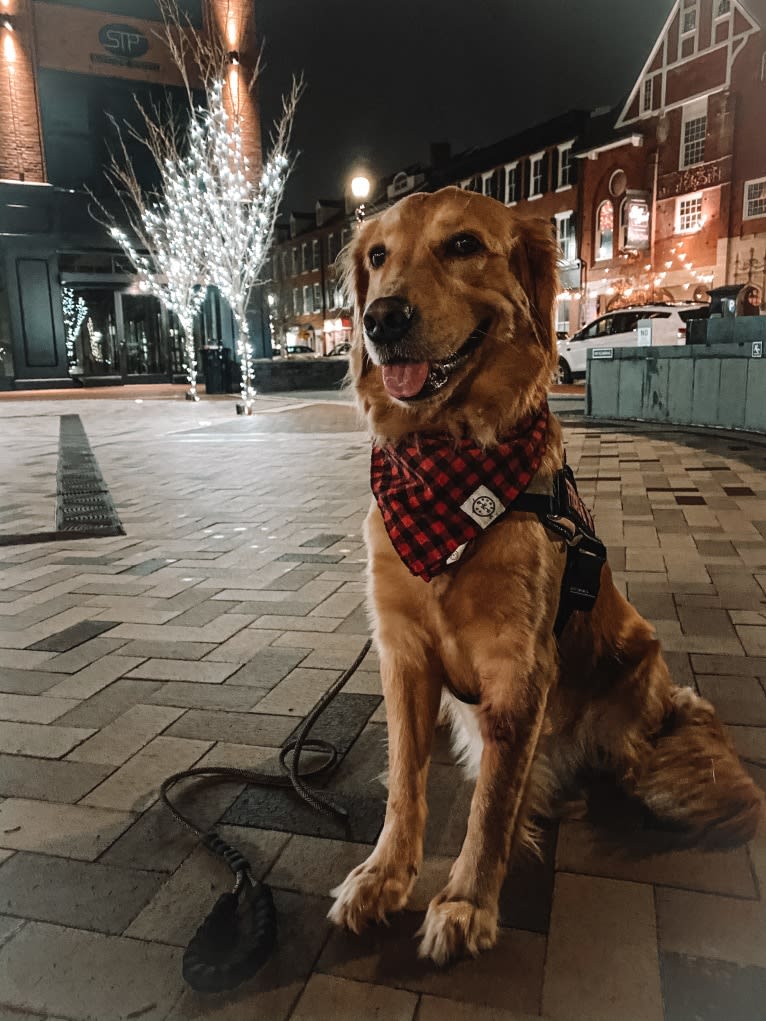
{"x": 562, "y": 512}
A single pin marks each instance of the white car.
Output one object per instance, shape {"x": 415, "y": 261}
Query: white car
{"x": 620, "y": 329}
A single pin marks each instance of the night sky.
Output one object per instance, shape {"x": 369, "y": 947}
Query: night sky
{"x": 384, "y": 79}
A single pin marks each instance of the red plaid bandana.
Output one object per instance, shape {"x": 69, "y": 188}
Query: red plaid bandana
{"x": 437, "y": 494}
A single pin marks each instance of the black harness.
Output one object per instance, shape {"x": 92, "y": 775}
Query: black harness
{"x": 562, "y": 511}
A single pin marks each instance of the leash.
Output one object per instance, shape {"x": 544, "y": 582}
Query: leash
{"x": 239, "y": 934}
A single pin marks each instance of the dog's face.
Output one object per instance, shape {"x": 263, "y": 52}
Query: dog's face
{"x": 453, "y": 297}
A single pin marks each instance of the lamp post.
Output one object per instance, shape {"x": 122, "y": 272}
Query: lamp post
{"x": 360, "y": 189}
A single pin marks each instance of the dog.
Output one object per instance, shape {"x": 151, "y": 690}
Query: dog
{"x": 453, "y": 348}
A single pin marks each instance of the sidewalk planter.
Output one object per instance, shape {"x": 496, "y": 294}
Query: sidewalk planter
{"x": 721, "y": 385}
{"x": 285, "y": 374}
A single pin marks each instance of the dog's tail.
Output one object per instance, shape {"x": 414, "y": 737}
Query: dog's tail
{"x": 693, "y": 778}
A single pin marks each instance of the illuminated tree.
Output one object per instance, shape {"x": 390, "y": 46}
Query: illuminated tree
{"x": 240, "y": 210}
{"x": 210, "y": 219}
{"x": 75, "y": 312}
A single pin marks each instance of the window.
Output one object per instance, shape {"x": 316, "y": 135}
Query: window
{"x": 296, "y": 301}
{"x": 332, "y": 248}
{"x": 304, "y": 257}
{"x": 605, "y": 231}
{"x": 565, "y": 234}
{"x": 689, "y": 17}
{"x": 755, "y": 198}
{"x": 285, "y": 256}
{"x": 307, "y": 299}
{"x": 317, "y": 297}
{"x": 565, "y": 165}
{"x": 488, "y": 184}
{"x": 345, "y": 236}
{"x": 315, "y": 254}
{"x": 650, "y": 96}
{"x": 693, "y": 132}
{"x": 511, "y": 183}
{"x": 689, "y": 214}
{"x": 563, "y": 312}
{"x": 296, "y": 267}
{"x": 694, "y": 141}
{"x": 536, "y": 175}
{"x": 722, "y": 8}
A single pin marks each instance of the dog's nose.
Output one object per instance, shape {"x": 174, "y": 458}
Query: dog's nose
{"x": 388, "y": 319}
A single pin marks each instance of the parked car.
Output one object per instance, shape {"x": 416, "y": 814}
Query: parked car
{"x": 299, "y": 350}
{"x": 340, "y": 349}
{"x": 620, "y": 329}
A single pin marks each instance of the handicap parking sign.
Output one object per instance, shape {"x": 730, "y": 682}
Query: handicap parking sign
{"x": 757, "y": 349}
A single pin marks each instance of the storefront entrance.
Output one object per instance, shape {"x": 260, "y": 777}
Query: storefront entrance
{"x": 118, "y": 336}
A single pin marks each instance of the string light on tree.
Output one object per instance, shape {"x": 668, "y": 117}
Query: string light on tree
{"x": 240, "y": 212}
{"x": 75, "y": 312}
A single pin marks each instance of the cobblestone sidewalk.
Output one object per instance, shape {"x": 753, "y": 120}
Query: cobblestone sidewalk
{"x": 207, "y": 632}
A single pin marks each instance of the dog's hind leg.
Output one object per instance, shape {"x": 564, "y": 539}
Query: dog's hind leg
{"x": 693, "y": 779}
{"x": 665, "y": 744}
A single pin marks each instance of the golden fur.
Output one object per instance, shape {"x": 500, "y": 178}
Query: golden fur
{"x": 603, "y": 696}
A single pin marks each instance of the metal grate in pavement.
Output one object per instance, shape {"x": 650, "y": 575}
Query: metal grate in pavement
{"x": 83, "y": 502}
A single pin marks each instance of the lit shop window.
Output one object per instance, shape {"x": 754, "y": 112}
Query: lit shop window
{"x": 605, "y": 231}
{"x": 689, "y": 214}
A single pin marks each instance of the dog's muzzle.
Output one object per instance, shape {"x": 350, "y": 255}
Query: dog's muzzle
{"x": 404, "y": 376}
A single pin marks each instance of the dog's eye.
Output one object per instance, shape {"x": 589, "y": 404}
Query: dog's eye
{"x": 377, "y": 256}
{"x": 463, "y": 245}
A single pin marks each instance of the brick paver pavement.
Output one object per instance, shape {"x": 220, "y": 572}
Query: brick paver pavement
{"x": 207, "y": 632}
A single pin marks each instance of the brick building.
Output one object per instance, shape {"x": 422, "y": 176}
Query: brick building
{"x": 534, "y": 172}
{"x": 674, "y": 180}
{"x": 305, "y": 302}
{"x": 67, "y": 65}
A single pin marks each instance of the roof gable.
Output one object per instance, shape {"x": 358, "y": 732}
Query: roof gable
{"x": 708, "y": 33}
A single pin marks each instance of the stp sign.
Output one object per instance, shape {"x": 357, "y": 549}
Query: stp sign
{"x": 124, "y": 41}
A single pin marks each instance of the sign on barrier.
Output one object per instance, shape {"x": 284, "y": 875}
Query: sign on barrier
{"x": 757, "y": 349}
{"x": 602, "y": 352}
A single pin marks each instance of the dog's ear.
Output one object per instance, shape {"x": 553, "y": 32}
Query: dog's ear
{"x": 534, "y": 260}
{"x": 354, "y": 280}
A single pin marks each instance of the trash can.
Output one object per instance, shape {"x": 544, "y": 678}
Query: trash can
{"x": 212, "y": 368}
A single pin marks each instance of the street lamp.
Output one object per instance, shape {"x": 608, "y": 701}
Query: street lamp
{"x": 360, "y": 189}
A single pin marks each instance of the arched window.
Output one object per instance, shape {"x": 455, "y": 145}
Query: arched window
{"x": 605, "y": 231}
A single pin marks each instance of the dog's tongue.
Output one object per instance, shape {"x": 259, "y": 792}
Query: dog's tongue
{"x": 405, "y": 379}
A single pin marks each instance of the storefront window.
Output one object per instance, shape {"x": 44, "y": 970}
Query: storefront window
{"x": 145, "y": 353}
{"x": 605, "y": 231}
{"x": 91, "y": 332}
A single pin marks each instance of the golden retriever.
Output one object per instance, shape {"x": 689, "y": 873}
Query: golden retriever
{"x": 454, "y": 338}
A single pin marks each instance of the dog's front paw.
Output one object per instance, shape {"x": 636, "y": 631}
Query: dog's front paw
{"x": 455, "y": 928}
{"x": 369, "y": 893}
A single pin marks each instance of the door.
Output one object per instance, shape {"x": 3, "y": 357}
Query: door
{"x": 596, "y": 335}
{"x": 145, "y": 341}
{"x": 90, "y": 325}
